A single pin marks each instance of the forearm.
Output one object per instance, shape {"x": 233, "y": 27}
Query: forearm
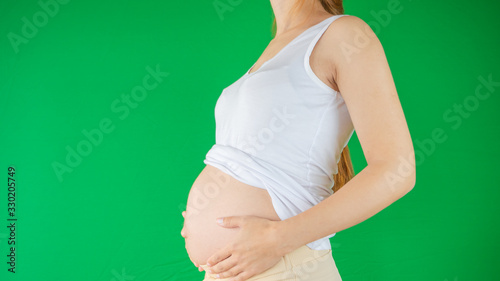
{"x": 363, "y": 196}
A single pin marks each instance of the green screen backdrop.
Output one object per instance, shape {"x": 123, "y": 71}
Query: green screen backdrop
{"x": 107, "y": 112}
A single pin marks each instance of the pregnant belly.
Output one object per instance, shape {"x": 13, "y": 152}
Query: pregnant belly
{"x": 216, "y": 194}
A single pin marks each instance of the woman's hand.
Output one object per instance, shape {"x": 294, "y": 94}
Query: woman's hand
{"x": 257, "y": 247}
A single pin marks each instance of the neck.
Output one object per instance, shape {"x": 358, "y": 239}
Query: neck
{"x": 307, "y": 15}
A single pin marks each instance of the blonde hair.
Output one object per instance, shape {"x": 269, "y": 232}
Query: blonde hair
{"x": 345, "y": 168}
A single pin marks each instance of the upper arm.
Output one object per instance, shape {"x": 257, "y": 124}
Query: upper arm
{"x": 361, "y": 72}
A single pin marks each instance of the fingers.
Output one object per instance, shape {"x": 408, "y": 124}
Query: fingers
{"x": 226, "y": 268}
{"x": 198, "y": 266}
{"x": 232, "y": 221}
{"x": 241, "y": 276}
{"x": 184, "y": 214}
{"x": 219, "y": 256}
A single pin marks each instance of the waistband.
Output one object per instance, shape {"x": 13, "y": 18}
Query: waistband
{"x": 300, "y": 257}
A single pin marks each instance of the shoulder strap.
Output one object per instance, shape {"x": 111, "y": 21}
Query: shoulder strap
{"x": 320, "y": 33}
{"x": 309, "y": 49}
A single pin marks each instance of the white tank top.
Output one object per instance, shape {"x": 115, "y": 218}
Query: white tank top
{"x": 282, "y": 129}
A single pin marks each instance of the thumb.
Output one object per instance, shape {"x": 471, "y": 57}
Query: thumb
{"x": 234, "y": 221}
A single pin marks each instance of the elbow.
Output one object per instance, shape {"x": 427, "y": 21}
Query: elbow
{"x": 412, "y": 174}
{"x": 400, "y": 176}
{"x": 409, "y": 178}
{"x": 412, "y": 180}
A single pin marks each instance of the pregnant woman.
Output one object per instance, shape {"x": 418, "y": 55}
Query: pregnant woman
{"x": 274, "y": 175}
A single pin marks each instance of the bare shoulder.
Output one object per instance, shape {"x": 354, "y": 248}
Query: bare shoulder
{"x": 349, "y": 21}
{"x": 350, "y": 39}
{"x": 349, "y": 28}
{"x": 365, "y": 82}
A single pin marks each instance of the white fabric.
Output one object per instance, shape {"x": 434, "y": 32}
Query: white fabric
{"x": 282, "y": 129}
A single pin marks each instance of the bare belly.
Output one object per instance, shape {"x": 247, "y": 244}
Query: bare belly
{"x": 216, "y": 194}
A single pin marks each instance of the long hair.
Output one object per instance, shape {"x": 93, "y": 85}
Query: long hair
{"x": 345, "y": 169}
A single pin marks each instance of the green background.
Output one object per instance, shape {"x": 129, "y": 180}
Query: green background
{"x": 117, "y": 214}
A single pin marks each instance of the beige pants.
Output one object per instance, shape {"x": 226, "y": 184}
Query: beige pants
{"x": 301, "y": 264}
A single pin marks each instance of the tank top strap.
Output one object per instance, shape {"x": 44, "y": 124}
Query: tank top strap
{"x": 320, "y": 33}
{"x": 309, "y": 49}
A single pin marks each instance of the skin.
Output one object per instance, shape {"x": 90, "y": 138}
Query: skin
{"x": 349, "y": 58}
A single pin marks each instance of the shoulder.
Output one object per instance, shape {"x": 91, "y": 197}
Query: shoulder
{"x": 347, "y": 27}
{"x": 349, "y": 21}
{"x": 350, "y": 41}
